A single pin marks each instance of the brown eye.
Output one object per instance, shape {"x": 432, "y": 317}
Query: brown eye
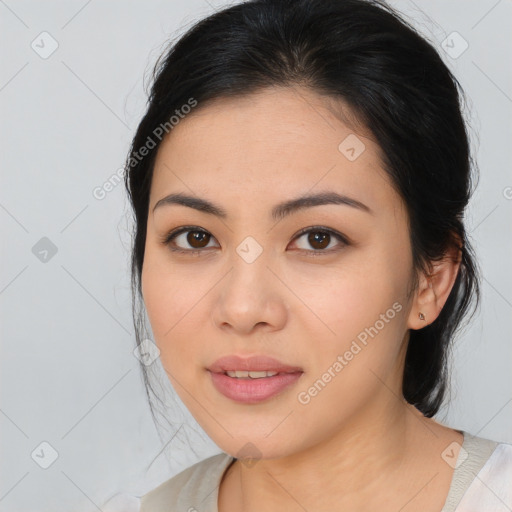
{"x": 198, "y": 239}
{"x": 188, "y": 240}
{"x": 319, "y": 239}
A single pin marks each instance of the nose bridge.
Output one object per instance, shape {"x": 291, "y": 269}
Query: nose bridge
{"x": 247, "y": 296}
{"x": 249, "y": 265}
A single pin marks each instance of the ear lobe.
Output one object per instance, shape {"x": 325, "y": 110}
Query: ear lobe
{"x": 434, "y": 289}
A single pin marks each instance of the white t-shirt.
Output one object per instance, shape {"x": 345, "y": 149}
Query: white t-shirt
{"x": 481, "y": 482}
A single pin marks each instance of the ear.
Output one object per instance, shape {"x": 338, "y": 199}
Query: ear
{"x": 434, "y": 289}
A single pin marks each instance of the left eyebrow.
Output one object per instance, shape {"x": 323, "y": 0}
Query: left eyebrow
{"x": 279, "y": 211}
{"x": 293, "y": 205}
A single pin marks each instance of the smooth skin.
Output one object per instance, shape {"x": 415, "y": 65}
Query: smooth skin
{"x": 356, "y": 445}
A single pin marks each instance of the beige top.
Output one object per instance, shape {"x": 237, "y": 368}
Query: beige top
{"x": 482, "y": 481}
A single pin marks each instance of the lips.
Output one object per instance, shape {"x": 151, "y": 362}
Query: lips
{"x": 256, "y": 363}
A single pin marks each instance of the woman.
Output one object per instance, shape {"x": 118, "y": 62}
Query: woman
{"x": 299, "y": 183}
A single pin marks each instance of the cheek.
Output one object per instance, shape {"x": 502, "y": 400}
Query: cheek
{"x": 172, "y": 302}
{"x": 348, "y": 367}
{"x": 344, "y": 300}
{"x": 357, "y": 313}
{"x": 164, "y": 298}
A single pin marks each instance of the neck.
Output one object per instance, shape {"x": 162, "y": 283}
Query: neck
{"x": 347, "y": 469}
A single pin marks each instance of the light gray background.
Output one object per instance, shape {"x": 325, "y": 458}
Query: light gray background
{"x": 68, "y": 374}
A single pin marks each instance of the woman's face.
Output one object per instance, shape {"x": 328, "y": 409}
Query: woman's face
{"x": 336, "y": 308}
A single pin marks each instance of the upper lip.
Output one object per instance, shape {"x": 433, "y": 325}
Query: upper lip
{"x": 251, "y": 363}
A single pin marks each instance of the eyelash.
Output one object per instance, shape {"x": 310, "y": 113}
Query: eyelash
{"x": 169, "y": 237}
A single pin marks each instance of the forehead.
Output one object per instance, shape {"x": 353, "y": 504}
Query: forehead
{"x": 275, "y": 143}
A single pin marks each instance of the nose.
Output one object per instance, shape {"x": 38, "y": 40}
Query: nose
{"x": 250, "y": 298}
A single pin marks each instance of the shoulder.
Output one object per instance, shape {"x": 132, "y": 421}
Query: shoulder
{"x": 490, "y": 486}
{"x": 194, "y": 487}
{"x": 494, "y": 456}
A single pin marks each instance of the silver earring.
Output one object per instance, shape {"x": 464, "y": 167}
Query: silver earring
{"x": 422, "y": 316}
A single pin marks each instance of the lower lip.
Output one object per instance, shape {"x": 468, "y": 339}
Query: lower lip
{"x": 251, "y": 391}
